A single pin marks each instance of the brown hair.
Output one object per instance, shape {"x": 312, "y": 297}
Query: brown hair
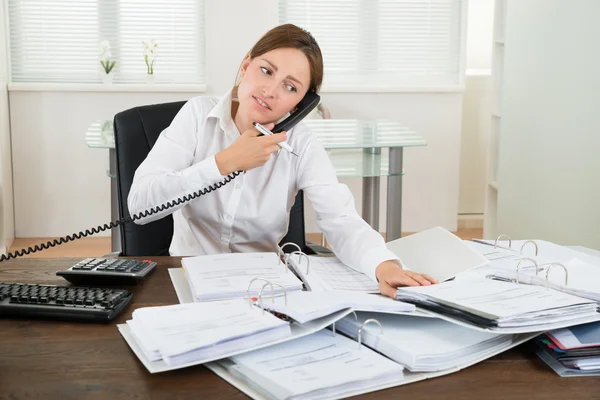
{"x": 292, "y": 36}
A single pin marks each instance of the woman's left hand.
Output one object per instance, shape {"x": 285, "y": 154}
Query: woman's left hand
{"x": 390, "y": 276}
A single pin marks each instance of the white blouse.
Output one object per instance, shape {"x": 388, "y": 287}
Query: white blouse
{"x": 251, "y": 213}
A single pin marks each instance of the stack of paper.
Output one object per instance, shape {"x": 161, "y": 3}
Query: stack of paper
{"x": 201, "y": 332}
{"x": 424, "y": 344}
{"x": 501, "y": 306}
{"x": 329, "y": 273}
{"x": 314, "y": 367}
{"x": 228, "y": 276}
{"x": 307, "y": 306}
{"x": 573, "y": 351}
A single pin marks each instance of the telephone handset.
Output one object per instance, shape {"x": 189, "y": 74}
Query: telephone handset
{"x": 306, "y": 105}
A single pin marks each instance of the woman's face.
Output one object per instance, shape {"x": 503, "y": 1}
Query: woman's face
{"x": 272, "y": 84}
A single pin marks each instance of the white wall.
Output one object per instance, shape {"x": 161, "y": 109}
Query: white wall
{"x": 549, "y": 172}
{"x": 61, "y": 187}
{"x": 7, "y": 226}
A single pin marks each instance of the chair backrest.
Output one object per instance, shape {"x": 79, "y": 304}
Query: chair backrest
{"x": 136, "y": 130}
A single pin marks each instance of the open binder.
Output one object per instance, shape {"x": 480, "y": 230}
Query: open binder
{"x": 435, "y": 252}
{"x": 228, "y": 344}
{"x": 525, "y": 287}
{"x": 544, "y": 252}
{"x": 425, "y": 344}
{"x": 225, "y": 343}
{"x": 258, "y": 384}
{"x": 502, "y": 307}
{"x": 557, "y": 267}
{"x": 328, "y": 273}
{"x": 226, "y": 276}
{"x": 318, "y": 366}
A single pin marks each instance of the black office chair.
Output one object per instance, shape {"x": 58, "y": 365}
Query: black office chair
{"x": 136, "y": 130}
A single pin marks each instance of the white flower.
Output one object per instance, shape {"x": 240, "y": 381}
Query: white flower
{"x": 105, "y": 56}
{"x": 105, "y": 53}
{"x": 150, "y": 44}
{"x": 105, "y": 45}
{"x": 150, "y": 54}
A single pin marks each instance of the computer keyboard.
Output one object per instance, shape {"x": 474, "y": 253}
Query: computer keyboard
{"x": 62, "y": 302}
{"x": 114, "y": 271}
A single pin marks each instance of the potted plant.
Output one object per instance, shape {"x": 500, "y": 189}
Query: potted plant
{"x": 105, "y": 61}
{"x": 150, "y": 57}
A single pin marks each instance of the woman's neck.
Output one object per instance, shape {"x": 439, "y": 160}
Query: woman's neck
{"x": 241, "y": 124}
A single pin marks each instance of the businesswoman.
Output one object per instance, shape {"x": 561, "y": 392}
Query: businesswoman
{"x": 213, "y": 137}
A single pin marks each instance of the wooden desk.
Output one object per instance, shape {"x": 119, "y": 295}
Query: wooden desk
{"x": 60, "y": 360}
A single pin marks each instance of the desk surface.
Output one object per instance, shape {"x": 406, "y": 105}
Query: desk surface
{"x": 47, "y": 360}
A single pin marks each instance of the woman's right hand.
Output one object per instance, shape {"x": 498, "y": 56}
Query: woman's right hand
{"x": 248, "y": 151}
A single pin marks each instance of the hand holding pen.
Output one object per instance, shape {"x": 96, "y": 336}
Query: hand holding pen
{"x": 267, "y": 132}
{"x": 249, "y": 151}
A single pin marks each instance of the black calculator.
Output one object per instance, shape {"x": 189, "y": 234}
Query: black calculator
{"x": 94, "y": 271}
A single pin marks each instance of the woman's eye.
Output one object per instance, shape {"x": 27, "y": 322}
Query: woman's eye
{"x": 290, "y": 88}
{"x": 265, "y": 70}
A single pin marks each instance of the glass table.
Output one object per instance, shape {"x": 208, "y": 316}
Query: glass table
{"x": 367, "y": 149}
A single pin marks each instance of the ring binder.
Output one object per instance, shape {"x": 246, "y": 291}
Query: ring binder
{"x": 280, "y": 251}
{"x": 499, "y": 237}
{"x": 558, "y": 265}
{"x": 363, "y": 325}
{"x": 333, "y": 325}
{"x": 282, "y": 255}
{"x": 530, "y": 241}
{"x": 260, "y": 300}
{"x": 300, "y": 254}
{"x": 527, "y": 259}
{"x": 250, "y": 284}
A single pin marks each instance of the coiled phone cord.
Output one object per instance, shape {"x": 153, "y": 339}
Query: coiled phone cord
{"x": 121, "y": 221}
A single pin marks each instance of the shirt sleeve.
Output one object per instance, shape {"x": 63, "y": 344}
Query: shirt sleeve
{"x": 169, "y": 172}
{"x": 353, "y": 241}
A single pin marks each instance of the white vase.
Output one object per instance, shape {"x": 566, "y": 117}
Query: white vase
{"x": 150, "y": 78}
{"x": 107, "y": 78}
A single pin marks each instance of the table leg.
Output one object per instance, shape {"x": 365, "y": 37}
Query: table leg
{"x": 394, "y": 196}
{"x": 115, "y": 234}
{"x": 370, "y": 196}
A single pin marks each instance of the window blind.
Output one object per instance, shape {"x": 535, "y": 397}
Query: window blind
{"x": 59, "y": 40}
{"x": 384, "y": 42}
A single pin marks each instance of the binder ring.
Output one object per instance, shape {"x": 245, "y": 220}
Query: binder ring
{"x": 282, "y": 255}
{"x": 250, "y": 284}
{"x": 272, "y": 294}
{"x": 333, "y": 329}
{"x": 363, "y": 325}
{"x": 526, "y": 259}
{"x": 501, "y": 236}
{"x": 300, "y": 254}
{"x": 530, "y": 241}
{"x": 280, "y": 251}
{"x": 558, "y": 265}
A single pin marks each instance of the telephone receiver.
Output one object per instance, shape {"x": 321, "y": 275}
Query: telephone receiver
{"x": 304, "y": 107}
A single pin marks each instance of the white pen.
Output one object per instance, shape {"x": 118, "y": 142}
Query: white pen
{"x": 265, "y": 131}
